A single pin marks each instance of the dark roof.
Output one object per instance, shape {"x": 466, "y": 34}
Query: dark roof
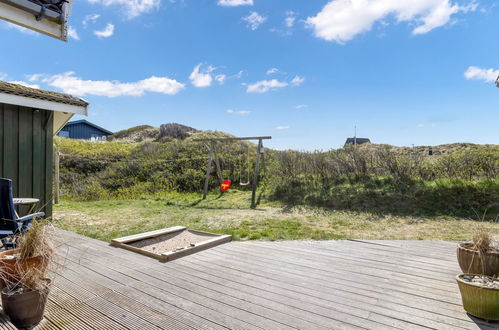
{"x": 83, "y": 121}
{"x": 20, "y": 90}
{"x": 357, "y": 140}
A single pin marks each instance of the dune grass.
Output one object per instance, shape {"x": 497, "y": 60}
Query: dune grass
{"x": 230, "y": 214}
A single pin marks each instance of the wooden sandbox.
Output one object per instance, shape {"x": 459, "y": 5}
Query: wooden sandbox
{"x": 170, "y": 243}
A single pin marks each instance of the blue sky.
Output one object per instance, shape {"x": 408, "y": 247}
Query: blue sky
{"x": 404, "y": 72}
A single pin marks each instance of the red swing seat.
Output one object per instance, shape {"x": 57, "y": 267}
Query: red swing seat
{"x": 225, "y": 186}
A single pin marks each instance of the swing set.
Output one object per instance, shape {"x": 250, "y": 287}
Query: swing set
{"x": 226, "y": 184}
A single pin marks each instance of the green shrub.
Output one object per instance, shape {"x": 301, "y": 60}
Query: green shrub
{"x": 374, "y": 194}
{"x": 460, "y": 179}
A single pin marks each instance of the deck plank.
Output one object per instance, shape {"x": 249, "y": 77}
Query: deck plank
{"x": 204, "y": 308}
{"x": 417, "y": 256}
{"x": 181, "y": 318}
{"x": 377, "y": 267}
{"x": 223, "y": 304}
{"x": 327, "y": 297}
{"x": 80, "y": 276}
{"x": 352, "y": 284}
{"x": 347, "y": 318}
{"x": 325, "y": 321}
{"x": 338, "y": 270}
{"x": 361, "y": 285}
{"x": 352, "y": 258}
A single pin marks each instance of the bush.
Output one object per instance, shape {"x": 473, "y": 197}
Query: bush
{"x": 385, "y": 195}
{"x": 175, "y": 131}
{"x": 460, "y": 179}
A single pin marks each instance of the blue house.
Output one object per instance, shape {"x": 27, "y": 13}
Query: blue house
{"x": 84, "y": 130}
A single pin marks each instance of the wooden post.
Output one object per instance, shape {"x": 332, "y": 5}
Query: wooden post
{"x": 257, "y": 170}
{"x": 56, "y": 174}
{"x": 217, "y": 163}
{"x": 208, "y": 170}
{"x": 264, "y": 161}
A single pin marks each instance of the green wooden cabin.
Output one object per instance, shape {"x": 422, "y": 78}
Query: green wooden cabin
{"x": 29, "y": 120}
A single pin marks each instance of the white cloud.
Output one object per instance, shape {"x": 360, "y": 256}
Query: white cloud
{"x": 90, "y": 19}
{"x": 281, "y": 128}
{"x": 254, "y": 20}
{"x": 201, "y": 78}
{"x": 235, "y": 3}
{"x": 133, "y": 8}
{"x": 288, "y": 24}
{"x": 342, "y": 20}
{"x": 290, "y": 19}
{"x": 70, "y": 84}
{"x": 73, "y": 34}
{"x": 220, "y": 78}
{"x": 34, "y": 77}
{"x": 272, "y": 71}
{"x": 429, "y": 125}
{"x": 297, "y": 81}
{"x": 3, "y": 76}
{"x": 239, "y": 112}
{"x": 106, "y": 32}
{"x": 264, "y": 86}
{"x": 238, "y": 75}
{"x": 23, "y": 83}
{"x": 476, "y": 73}
{"x": 301, "y": 106}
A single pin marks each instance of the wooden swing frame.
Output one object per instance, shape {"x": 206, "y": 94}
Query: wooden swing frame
{"x": 213, "y": 156}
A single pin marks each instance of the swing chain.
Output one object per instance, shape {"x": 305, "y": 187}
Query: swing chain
{"x": 248, "y": 181}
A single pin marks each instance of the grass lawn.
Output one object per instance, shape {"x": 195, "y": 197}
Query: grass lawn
{"x": 230, "y": 214}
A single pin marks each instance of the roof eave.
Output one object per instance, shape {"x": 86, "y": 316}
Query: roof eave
{"x": 43, "y": 104}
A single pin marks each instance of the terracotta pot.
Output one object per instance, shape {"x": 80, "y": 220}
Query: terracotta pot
{"x": 471, "y": 262}
{"x": 11, "y": 268}
{"x": 26, "y": 309}
{"x": 479, "y": 301}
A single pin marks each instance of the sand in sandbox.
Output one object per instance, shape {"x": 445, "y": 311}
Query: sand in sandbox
{"x": 171, "y": 242}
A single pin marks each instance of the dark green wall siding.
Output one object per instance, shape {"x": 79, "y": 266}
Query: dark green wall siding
{"x": 26, "y": 152}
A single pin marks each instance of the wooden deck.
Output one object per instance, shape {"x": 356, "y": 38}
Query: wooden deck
{"x": 260, "y": 285}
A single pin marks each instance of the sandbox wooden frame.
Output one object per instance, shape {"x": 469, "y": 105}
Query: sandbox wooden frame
{"x": 123, "y": 242}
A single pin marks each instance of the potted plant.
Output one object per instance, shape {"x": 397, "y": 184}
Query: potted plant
{"x": 479, "y": 285}
{"x": 480, "y": 294}
{"x": 26, "y": 284}
{"x": 480, "y": 256}
{"x": 12, "y": 266}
